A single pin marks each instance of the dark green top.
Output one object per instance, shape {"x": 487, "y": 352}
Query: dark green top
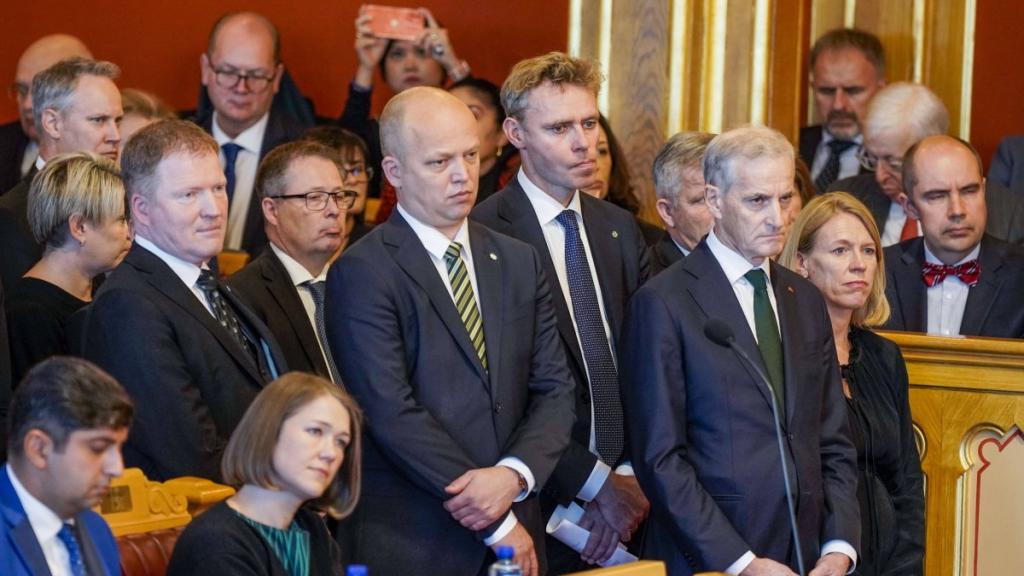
{"x": 291, "y": 546}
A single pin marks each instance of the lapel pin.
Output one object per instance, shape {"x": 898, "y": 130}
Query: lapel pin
{"x": 493, "y": 256}
{"x": 790, "y": 288}
{"x": 615, "y": 233}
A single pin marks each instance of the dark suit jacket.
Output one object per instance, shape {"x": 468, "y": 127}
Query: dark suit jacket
{"x": 704, "y": 446}
{"x": 664, "y": 254}
{"x": 21, "y": 555}
{"x": 433, "y": 412}
{"x": 995, "y": 306}
{"x": 13, "y": 142}
{"x": 20, "y": 249}
{"x": 810, "y": 139}
{"x": 1007, "y": 167}
{"x": 190, "y": 380}
{"x": 265, "y": 286}
{"x": 620, "y": 259}
{"x": 6, "y": 385}
{"x": 281, "y": 129}
{"x": 1005, "y": 209}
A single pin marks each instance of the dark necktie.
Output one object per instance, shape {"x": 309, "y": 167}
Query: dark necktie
{"x": 316, "y": 290}
{"x": 768, "y": 340}
{"x": 604, "y": 379}
{"x": 968, "y": 272}
{"x": 465, "y": 301}
{"x": 231, "y": 151}
{"x": 67, "y": 537}
{"x": 831, "y": 170}
{"x": 222, "y": 310}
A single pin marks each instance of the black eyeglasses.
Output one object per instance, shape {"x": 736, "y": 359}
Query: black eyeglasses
{"x": 360, "y": 173}
{"x": 229, "y": 78}
{"x": 317, "y": 201}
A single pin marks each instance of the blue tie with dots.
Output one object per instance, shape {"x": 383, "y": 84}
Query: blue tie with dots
{"x": 604, "y": 378}
{"x": 231, "y": 151}
{"x": 317, "y": 291}
{"x": 67, "y": 537}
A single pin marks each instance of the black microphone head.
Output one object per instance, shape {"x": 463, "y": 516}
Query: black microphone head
{"x": 719, "y": 332}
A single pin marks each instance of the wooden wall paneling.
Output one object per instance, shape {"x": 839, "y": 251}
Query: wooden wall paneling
{"x": 739, "y": 48}
{"x": 694, "y": 79}
{"x": 946, "y": 43}
{"x": 893, "y": 22}
{"x": 788, "y": 75}
{"x": 589, "y": 14}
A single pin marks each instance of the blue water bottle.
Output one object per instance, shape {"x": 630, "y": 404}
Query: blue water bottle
{"x": 356, "y": 570}
{"x": 505, "y": 566}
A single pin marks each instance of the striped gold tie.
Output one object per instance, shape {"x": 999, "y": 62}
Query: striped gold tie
{"x": 465, "y": 302}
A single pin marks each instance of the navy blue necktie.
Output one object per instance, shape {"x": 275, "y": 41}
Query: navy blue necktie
{"x": 231, "y": 151}
{"x": 830, "y": 172}
{"x": 316, "y": 290}
{"x": 67, "y": 537}
{"x": 604, "y": 379}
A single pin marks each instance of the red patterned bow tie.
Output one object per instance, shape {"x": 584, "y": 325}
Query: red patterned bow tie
{"x": 968, "y": 272}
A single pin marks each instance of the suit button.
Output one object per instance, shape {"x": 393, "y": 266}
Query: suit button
{"x": 497, "y": 407}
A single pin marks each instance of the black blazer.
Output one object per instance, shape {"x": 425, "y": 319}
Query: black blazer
{"x": 6, "y": 385}
{"x": 620, "y": 259}
{"x": 995, "y": 306}
{"x": 281, "y": 129}
{"x": 265, "y": 286}
{"x": 20, "y": 249}
{"x": 704, "y": 447}
{"x": 190, "y": 380}
{"x": 1005, "y": 209}
{"x": 13, "y": 142}
{"x": 433, "y": 411}
{"x": 664, "y": 254}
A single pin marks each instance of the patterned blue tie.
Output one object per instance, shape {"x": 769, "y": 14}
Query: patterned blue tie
{"x": 231, "y": 151}
{"x": 67, "y": 537}
{"x": 604, "y": 379}
{"x": 316, "y": 290}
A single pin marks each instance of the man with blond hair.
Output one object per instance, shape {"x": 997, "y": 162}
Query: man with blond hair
{"x": 594, "y": 254}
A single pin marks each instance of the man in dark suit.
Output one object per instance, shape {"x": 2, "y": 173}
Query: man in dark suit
{"x": 900, "y": 115}
{"x": 847, "y": 68}
{"x": 77, "y": 107}
{"x": 444, "y": 332}
{"x": 69, "y": 420}
{"x": 304, "y": 206}
{"x": 701, "y": 423}
{"x": 6, "y": 385}
{"x": 242, "y": 71}
{"x": 1007, "y": 167}
{"x": 679, "y": 186}
{"x": 594, "y": 257}
{"x": 956, "y": 279}
{"x": 18, "y": 140}
{"x": 184, "y": 346}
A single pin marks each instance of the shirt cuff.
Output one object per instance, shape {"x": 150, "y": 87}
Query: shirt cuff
{"x": 504, "y": 528}
{"x": 740, "y": 565}
{"x": 842, "y": 547}
{"x": 598, "y": 476}
{"x": 625, "y": 469}
{"x": 521, "y": 467}
{"x": 357, "y": 88}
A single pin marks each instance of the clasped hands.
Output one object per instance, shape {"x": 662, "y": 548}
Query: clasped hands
{"x": 612, "y": 517}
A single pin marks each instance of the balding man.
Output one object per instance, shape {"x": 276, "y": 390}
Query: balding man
{"x": 445, "y": 332}
{"x": 242, "y": 70}
{"x": 18, "y": 141}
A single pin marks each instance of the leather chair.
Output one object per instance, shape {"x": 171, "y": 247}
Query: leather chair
{"x": 148, "y": 553}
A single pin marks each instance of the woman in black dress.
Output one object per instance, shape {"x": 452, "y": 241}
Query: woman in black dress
{"x": 77, "y": 212}
{"x": 294, "y": 456}
{"x": 835, "y": 244}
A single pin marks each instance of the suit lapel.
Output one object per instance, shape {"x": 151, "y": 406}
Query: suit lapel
{"x": 606, "y": 250}
{"x": 985, "y": 293}
{"x": 19, "y": 528}
{"x": 280, "y": 286}
{"x": 490, "y": 279}
{"x": 412, "y": 257}
{"x": 787, "y": 308}
{"x": 910, "y": 288}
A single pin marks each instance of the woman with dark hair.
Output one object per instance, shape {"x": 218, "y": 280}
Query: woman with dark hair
{"x": 355, "y": 175}
{"x": 294, "y": 456}
{"x": 613, "y": 181}
{"x": 498, "y": 161}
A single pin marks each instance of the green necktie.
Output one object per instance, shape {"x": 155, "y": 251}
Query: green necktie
{"x": 768, "y": 340}
{"x": 465, "y": 302}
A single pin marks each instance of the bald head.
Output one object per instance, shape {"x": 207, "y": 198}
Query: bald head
{"x": 39, "y": 56}
{"x": 414, "y": 111}
{"x": 242, "y": 25}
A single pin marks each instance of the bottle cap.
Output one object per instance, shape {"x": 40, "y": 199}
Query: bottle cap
{"x": 506, "y": 552}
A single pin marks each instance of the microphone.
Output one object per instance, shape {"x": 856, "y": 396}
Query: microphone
{"x": 721, "y": 333}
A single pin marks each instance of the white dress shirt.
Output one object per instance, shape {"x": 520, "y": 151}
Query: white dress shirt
{"x": 681, "y": 247}
{"x": 186, "y": 271}
{"x": 299, "y": 276}
{"x": 436, "y": 244}
{"x": 29, "y": 157}
{"x": 248, "y": 160}
{"x": 947, "y": 300}
{"x": 849, "y": 165}
{"x": 735, "y": 266}
{"x": 46, "y": 525}
{"x": 894, "y": 225}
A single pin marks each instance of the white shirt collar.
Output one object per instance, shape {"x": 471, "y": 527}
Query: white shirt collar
{"x": 45, "y": 523}
{"x": 432, "y": 239}
{"x": 251, "y": 138}
{"x": 733, "y": 263}
{"x": 826, "y": 137}
{"x": 546, "y": 207}
{"x": 932, "y": 259}
{"x": 297, "y": 272}
{"x": 680, "y": 246}
{"x": 187, "y": 271}
{"x": 40, "y": 163}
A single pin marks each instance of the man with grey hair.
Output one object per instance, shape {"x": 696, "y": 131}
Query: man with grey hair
{"x": 679, "y": 186}
{"x": 701, "y": 422}
{"x": 76, "y": 106}
{"x": 900, "y": 115}
{"x": 18, "y": 141}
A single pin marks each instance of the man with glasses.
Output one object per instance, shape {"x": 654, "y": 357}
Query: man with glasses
{"x": 304, "y": 206}
{"x": 899, "y": 116}
{"x": 242, "y": 71}
{"x": 19, "y": 146}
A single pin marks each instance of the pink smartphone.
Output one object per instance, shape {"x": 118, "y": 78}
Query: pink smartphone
{"x": 394, "y": 23}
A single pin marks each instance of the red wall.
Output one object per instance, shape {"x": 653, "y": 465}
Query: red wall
{"x": 157, "y": 44}
{"x": 997, "y": 107}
